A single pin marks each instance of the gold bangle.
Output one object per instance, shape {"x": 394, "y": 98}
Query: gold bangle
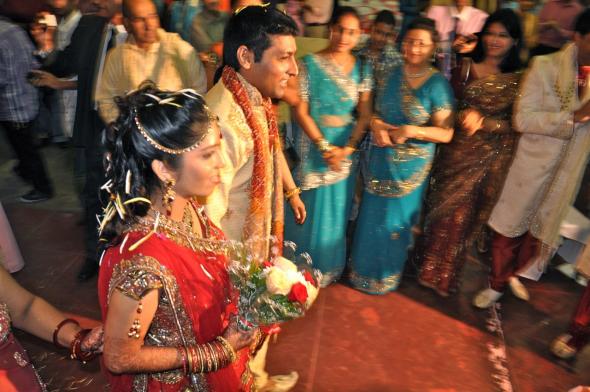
{"x": 231, "y": 353}
{"x": 292, "y": 192}
{"x": 323, "y": 145}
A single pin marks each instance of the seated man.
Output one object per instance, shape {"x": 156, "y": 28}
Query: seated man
{"x": 150, "y": 53}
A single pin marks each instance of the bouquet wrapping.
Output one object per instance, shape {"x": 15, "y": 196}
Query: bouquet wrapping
{"x": 271, "y": 291}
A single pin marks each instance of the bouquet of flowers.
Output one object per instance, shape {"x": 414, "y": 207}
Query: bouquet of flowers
{"x": 271, "y": 291}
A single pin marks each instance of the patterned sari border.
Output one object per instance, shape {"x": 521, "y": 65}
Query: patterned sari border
{"x": 344, "y": 82}
{"x": 375, "y": 286}
{"x": 317, "y": 179}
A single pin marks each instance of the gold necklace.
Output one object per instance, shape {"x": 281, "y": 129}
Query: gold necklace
{"x": 418, "y": 75}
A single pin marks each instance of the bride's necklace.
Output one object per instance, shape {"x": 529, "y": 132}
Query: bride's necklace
{"x": 420, "y": 74}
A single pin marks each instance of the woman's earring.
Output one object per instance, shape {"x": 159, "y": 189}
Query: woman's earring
{"x": 169, "y": 196}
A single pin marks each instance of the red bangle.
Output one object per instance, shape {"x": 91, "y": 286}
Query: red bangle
{"x": 76, "y": 347}
{"x": 59, "y": 327}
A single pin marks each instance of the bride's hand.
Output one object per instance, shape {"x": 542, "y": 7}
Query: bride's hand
{"x": 94, "y": 340}
{"x": 238, "y": 338}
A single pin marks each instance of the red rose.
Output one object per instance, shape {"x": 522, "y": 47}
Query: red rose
{"x": 267, "y": 264}
{"x": 308, "y": 277}
{"x": 298, "y": 293}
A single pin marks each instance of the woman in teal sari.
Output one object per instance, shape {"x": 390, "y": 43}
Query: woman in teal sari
{"x": 412, "y": 115}
{"x": 333, "y": 83}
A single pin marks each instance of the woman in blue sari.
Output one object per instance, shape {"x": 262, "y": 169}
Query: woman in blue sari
{"x": 412, "y": 115}
{"x": 333, "y": 83}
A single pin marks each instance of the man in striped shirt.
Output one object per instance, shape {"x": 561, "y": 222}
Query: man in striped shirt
{"x": 19, "y": 107}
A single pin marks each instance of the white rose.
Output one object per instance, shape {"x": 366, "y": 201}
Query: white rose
{"x": 312, "y": 294}
{"x": 294, "y": 277}
{"x": 284, "y": 264}
{"x": 277, "y": 282}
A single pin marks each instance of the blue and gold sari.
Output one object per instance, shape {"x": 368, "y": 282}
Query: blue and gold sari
{"x": 327, "y": 194}
{"x": 395, "y": 185}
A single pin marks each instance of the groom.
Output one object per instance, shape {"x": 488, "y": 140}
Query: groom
{"x": 258, "y": 60}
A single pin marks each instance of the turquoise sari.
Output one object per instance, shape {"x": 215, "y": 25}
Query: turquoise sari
{"x": 327, "y": 194}
{"x": 394, "y": 188}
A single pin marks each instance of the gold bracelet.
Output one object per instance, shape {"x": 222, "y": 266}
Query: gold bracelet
{"x": 323, "y": 145}
{"x": 231, "y": 353}
{"x": 292, "y": 192}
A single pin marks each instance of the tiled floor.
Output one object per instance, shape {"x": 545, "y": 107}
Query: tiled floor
{"x": 410, "y": 340}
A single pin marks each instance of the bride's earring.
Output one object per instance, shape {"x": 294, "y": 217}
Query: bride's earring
{"x": 169, "y": 196}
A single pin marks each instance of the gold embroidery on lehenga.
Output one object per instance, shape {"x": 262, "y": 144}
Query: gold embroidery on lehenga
{"x": 180, "y": 233}
{"x": 171, "y": 326}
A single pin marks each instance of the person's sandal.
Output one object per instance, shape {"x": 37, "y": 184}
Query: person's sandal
{"x": 281, "y": 383}
{"x": 560, "y": 347}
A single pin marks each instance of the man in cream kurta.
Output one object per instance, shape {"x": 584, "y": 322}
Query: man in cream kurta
{"x": 256, "y": 69}
{"x": 150, "y": 53}
{"x": 553, "y": 116}
{"x": 228, "y": 206}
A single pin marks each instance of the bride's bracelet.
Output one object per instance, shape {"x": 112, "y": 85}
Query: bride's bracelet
{"x": 76, "y": 351}
{"x": 208, "y": 357}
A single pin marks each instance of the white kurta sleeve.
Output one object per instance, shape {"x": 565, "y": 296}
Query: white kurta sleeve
{"x": 531, "y": 114}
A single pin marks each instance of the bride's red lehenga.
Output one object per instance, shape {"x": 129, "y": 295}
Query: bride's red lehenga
{"x": 194, "y": 301}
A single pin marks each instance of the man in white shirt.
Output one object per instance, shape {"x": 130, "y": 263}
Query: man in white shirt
{"x": 553, "y": 117}
{"x": 456, "y": 25}
{"x": 149, "y": 53}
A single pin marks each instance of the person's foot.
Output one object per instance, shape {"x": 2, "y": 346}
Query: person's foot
{"x": 561, "y": 348}
{"x": 88, "y": 270}
{"x": 518, "y": 289}
{"x": 567, "y": 269}
{"x": 35, "y": 196}
{"x": 486, "y": 298}
{"x": 280, "y": 383}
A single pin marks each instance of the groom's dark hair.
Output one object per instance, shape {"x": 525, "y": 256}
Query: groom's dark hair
{"x": 252, "y": 27}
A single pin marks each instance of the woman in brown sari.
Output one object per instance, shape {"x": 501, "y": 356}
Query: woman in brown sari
{"x": 468, "y": 173}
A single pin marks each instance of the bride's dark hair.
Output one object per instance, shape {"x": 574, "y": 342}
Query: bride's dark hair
{"x": 152, "y": 125}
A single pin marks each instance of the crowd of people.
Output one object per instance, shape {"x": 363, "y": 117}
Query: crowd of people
{"x": 463, "y": 134}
